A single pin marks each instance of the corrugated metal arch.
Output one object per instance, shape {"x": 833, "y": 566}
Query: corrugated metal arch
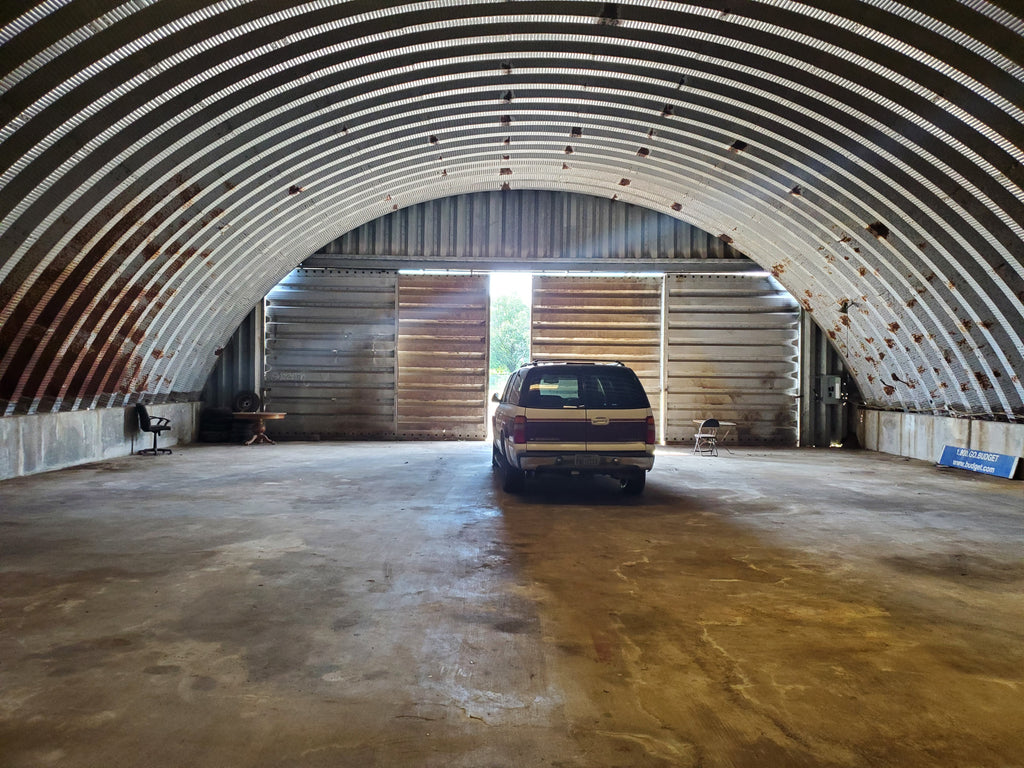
{"x": 162, "y": 166}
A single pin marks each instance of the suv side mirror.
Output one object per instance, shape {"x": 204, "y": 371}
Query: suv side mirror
{"x": 495, "y": 398}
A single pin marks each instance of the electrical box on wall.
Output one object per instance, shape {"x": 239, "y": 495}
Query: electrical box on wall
{"x": 832, "y": 389}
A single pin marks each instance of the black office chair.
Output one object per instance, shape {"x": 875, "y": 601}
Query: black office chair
{"x": 154, "y": 424}
{"x": 705, "y": 442}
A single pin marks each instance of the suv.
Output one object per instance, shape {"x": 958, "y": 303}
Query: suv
{"x": 574, "y": 418}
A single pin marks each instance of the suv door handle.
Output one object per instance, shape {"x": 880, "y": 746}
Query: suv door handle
{"x": 599, "y": 421}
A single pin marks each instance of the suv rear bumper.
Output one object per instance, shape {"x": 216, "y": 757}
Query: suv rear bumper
{"x": 597, "y": 463}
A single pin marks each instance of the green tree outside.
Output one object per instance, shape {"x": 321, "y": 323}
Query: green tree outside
{"x": 510, "y": 333}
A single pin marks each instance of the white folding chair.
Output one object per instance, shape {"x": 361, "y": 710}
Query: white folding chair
{"x": 705, "y": 441}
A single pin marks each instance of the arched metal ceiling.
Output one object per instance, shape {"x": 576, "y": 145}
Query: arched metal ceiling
{"x": 163, "y": 164}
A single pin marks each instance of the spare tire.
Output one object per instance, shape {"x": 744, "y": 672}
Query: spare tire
{"x": 246, "y": 402}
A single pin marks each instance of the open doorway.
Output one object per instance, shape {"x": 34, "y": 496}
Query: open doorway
{"x": 511, "y": 301}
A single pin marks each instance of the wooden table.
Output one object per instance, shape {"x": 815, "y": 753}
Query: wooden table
{"x": 259, "y": 429}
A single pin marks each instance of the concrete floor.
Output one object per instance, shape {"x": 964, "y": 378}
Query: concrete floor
{"x": 387, "y": 605}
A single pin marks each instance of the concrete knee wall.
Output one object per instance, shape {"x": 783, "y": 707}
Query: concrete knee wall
{"x": 920, "y": 436}
{"x": 45, "y": 441}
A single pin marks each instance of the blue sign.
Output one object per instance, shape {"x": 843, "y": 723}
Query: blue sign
{"x": 986, "y": 462}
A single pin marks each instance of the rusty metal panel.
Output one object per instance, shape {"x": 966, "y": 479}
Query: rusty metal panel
{"x": 330, "y": 350}
{"x": 732, "y": 353}
{"x": 442, "y": 356}
{"x": 601, "y": 318}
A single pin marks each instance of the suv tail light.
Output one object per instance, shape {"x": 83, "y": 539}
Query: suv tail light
{"x": 519, "y": 430}
{"x": 652, "y": 435}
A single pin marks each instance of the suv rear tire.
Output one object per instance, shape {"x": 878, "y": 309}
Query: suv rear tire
{"x": 512, "y": 479}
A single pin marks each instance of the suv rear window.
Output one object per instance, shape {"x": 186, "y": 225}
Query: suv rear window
{"x": 615, "y": 388}
{"x": 597, "y": 387}
{"x": 553, "y": 390}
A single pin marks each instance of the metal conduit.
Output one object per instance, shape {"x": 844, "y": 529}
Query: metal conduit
{"x": 161, "y": 167}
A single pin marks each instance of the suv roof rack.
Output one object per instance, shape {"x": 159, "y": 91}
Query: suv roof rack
{"x": 575, "y": 362}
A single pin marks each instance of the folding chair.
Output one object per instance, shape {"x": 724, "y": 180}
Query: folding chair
{"x": 705, "y": 441}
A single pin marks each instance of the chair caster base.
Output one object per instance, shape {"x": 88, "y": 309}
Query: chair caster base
{"x": 152, "y": 451}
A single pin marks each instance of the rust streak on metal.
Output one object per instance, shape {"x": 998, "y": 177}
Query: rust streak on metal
{"x": 129, "y": 311}
{"x": 131, "y": 365}
{"x": 137, "y": 226}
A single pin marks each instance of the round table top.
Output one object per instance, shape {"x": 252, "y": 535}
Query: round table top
{"x": 258, "y": 415}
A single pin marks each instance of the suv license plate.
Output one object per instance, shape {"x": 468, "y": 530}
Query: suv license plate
{"x": 587, "y": 460}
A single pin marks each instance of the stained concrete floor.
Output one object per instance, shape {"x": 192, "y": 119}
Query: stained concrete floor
{"x": 387, "y": 605}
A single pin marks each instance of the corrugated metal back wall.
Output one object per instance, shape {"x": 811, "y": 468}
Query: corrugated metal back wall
{"x": 331, "y": 353}
{"x": 512, "y": 229}
{"x": 442, "y": 356}
{"x": 332, "y": 330}
{"x": 528, "y": 227}
{"x": 601, "y": 318}
{"x": 732, "y": 348}
{"x": 703, "y": 345}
